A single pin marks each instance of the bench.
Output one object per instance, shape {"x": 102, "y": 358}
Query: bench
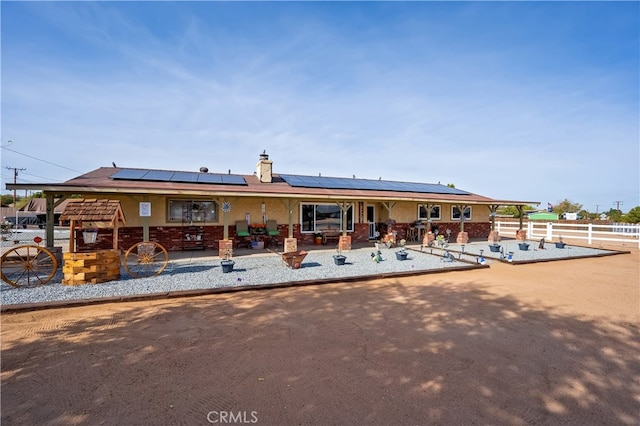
{"x": 331, "y": 235}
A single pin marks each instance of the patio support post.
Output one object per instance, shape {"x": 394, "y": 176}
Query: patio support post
{"x": 462, "y": 208}
{"x": 290, "y": 205}
{"x": 50, "y": 219}
{"x": 389, "y": 206}
{"x": 225, "y": 224}
{"x": 145, "y": 227}
{"x": 344, "y": 208}
{"x": 493, "y": 208}
{"x": 494, "y": 235}
{"x": 521, "y": 234}
{"x": 428, "y": 236}
{"x": 462, "y": 237}
{"x": 520, "y": 209}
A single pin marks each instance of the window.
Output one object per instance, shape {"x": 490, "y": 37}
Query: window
{"x": 422, "y": 213}
{"x": 192, "y": 211}
{"x": 319, "y": 217}
{"x": 455, "y": 213}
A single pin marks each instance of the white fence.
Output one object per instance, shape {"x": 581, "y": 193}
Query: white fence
{"x": 591, "y": 233}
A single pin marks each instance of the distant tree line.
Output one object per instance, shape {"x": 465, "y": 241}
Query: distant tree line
{"x": 567, "y": 206}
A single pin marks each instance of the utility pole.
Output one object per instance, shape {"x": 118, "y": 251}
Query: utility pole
{"x": 15, "y": 180}
{"x": 597, "y": 205}
{"x": 618, "y": 203}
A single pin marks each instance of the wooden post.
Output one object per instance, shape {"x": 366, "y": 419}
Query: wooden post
{"x": 115, "y": 234}
{"x": 493, "y": 208}
{"x": 344, "y": 208}
{"x": 72, "y": 236}
{"x": 520, "y": 210}
{"x": 290, "y": 205}
{"x": 225, "y": 224}
{"x": 145, "y": 229}
{"x": 50, "y": 222}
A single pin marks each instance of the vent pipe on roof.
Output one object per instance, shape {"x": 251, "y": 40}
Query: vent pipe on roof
{"x": 264, "y": 168}
{"x": 204, "y": 170}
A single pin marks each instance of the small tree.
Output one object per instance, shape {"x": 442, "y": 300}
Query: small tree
{"x": 614, "y": 215}
{"x": 633, "y": 216}
{"x": 513, "y": 211}
{"x": 566, "y": 206}
{"x": 6, "y": 200}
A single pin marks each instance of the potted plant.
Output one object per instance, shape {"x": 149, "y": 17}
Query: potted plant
{"x": 495, "y": 247}
{"x": 339, "y": 258}
{"x": 317, "y": 237}
{"x": 402, "y": 253}
{"x": 560, "y": 244}
{"x": 227, "y": 264}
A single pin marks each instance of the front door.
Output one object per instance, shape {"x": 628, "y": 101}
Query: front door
{"x": 371, "y": 220}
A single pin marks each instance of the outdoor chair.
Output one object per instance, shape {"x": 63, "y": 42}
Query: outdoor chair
{"x": 272, "y": 231}
{"x": 243, "y": 234}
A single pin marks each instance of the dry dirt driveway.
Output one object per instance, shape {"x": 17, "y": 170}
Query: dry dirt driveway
{"x": 552, "y": 343}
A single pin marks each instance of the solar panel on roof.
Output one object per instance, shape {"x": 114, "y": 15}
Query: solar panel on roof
{"x": 369, "y": 184}
{"x": 159, "y": 175}
{"x": 171, "y": 176}
{"x": 184, "y": 177}
{"x": 233, "y": 180}
{"x": 209, "y": 178}
{"x": 129, "y": 174}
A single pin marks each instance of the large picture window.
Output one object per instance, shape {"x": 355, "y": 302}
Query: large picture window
{"x": 190, "y": 211}
{"x": 323, "y": 217}
{"x": 435, "y": 213}
{"x": 455, "y": 213}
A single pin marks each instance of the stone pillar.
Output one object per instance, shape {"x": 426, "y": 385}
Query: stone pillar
{"x": 494, "y": 237}
{"x": 290, "y": 245}
{"x": 345, "y": 243}
{"x": 225, "y": 249}
{"x": 462, "y": 238}
{"x": 428, "y": 238}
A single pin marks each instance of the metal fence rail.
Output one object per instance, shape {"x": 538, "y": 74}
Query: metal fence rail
{"x": 592, "y": 233}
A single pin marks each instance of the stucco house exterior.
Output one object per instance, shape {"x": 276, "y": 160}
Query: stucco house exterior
{"x": 188, "y": 210}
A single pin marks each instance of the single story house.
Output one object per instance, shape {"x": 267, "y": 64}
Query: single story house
{"x": 185, "y": 210}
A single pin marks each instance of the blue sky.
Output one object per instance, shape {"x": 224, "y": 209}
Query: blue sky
{"x": 513, "y": 100}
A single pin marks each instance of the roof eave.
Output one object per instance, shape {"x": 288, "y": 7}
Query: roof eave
{"x": 432, "y": 198}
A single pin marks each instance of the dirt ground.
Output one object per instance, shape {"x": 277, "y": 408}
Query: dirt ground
{"x": 550, "y": 343}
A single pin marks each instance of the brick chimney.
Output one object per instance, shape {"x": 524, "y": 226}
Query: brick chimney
{"x": 264, "y": 167}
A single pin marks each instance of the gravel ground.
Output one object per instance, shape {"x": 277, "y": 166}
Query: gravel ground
{"x": 203, "y": 273}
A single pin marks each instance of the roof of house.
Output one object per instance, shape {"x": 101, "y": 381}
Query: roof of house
{"x": 39, "y": 205}
{"x": 115, "y": 180}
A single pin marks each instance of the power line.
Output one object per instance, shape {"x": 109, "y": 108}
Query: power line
{"x": 41, "y": 177}
{"x": 15, "y": 179}
{"x": 39, "y": 159}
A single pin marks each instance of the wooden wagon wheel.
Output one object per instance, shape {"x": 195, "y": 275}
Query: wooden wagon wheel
{"x": 145, "y": 259}
{"x": 28, "y": 266}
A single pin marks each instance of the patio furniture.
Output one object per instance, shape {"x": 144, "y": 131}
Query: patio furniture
{"x": 243, "y": 234}
{"x": 330, "y": 235}
{"x": 272, "y": 232}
